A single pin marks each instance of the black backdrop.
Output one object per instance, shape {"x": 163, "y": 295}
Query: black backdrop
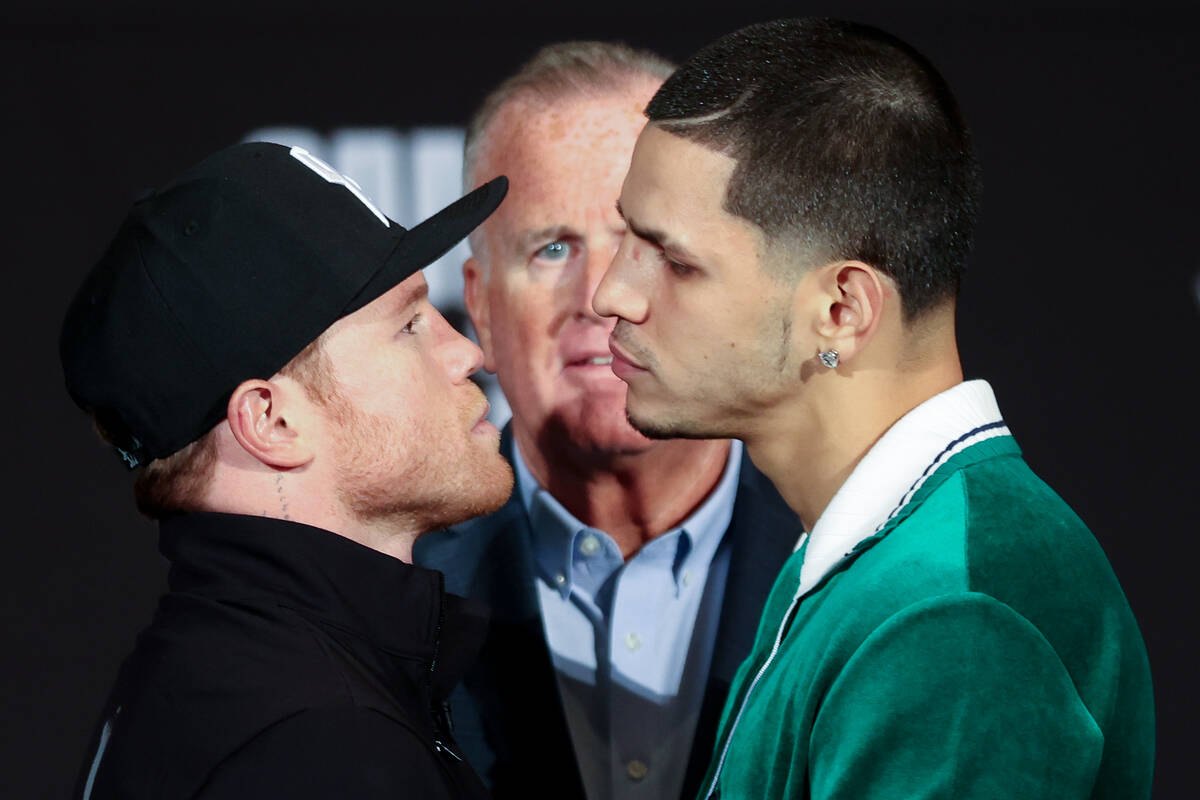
{"x": 1081, "y": 307}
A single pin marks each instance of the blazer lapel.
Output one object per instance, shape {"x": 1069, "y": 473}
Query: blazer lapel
{"x": 762, "y": 534}
{"x": 507, "y": 708}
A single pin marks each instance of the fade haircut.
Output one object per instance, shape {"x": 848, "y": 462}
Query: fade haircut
{"x": 848, "y": 143}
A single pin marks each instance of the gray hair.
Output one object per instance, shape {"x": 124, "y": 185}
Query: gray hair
{"x": 556, "y": 71}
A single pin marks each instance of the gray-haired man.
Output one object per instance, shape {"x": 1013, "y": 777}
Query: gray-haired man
{"x": 625, "y": 575}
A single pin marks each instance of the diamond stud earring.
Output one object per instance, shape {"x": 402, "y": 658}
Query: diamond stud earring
{"x": 829, "y": 358}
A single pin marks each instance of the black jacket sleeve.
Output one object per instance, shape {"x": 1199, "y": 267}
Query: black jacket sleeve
{"x": 353, "y": 753}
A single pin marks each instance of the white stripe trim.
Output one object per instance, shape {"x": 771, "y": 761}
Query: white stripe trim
{"x": 982, "y": 436}
{"x": 884, "y": 476}
{"x": 105, "y": 734}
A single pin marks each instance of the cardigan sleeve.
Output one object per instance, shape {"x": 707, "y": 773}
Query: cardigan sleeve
{"x": 352, "y": 753}
{"x": 959, "y": 697}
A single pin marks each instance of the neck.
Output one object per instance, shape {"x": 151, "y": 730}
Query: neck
{"x": 241, "y": 484}
{"x": 393, "y": 537}
{"x": 633, "y": 497}
{"x": 809, "y": 446}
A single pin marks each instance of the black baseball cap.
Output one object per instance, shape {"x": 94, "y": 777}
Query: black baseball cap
{"x": 225, "y": 275}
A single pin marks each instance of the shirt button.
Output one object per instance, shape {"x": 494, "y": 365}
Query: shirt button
{"x": 637, "y": 769}
{"x": 633, "y": 642}
{"x": 687, "y": 578}
{"x": 589, "y": 545}
{"x": 560, "y": 579}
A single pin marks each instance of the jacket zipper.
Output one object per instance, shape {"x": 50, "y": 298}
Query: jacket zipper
{"x": 441, "y": 723}
{"x": 441, "y": 747}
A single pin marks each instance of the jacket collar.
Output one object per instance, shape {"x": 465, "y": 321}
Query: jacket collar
{"x": 336, "y": 582}
{"x": 896, "y": 467}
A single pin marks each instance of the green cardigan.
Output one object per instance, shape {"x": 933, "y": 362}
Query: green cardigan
{"x": 977, "y": 646}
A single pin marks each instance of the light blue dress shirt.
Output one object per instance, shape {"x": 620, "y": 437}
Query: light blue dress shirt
{"x": 631, "y": 641}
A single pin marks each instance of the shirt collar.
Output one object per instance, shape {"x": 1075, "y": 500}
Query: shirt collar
{"x": 556, "y": 532}
{"x": 895, "y": 467}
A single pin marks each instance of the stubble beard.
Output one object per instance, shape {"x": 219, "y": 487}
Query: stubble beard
{"x": 671, "y": 428}
{"x": 405, "y": 477}
{"x": 728, "y": 401}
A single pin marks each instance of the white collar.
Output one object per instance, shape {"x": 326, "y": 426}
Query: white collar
{"x": 894, "y": 468}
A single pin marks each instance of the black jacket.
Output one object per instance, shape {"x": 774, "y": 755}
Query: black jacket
{"x": 287, "y": 661}
{"x": 507, "y": 713}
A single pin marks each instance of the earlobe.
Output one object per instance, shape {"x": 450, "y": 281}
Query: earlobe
{"x": 260, "y": 423}
{"x": 475, "y": 299}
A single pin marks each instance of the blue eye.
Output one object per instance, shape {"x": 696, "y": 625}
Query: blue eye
{"x": 555, "y": 251}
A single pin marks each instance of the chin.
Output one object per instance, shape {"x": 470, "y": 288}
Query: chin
{"x": 595, "y": 428}
{"x": 671, "y": 426}
{"x": 482, "y": 494}
{"x": 485, "y": 491}
{"x": 434, "y": 494}
{"x": 653, "y": 428}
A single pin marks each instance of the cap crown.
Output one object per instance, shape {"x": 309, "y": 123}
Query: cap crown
{"x": 225, "y": 275}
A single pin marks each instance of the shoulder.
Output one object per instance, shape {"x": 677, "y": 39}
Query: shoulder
{"x": 1003, "y": 496}
{"x": 211, "y": 655}
{"x": 1011, "y": 536}
{"x": 331, "y": 752}
{"x": 986, "y": 525}
{"x": 992, "y": 529}
{"x": 994, "y": 541}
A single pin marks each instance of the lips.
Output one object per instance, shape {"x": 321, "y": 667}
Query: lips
{"x": 482, "y": 424}
{"x": 589, "y": 360}
{"x": 621, "y": 357}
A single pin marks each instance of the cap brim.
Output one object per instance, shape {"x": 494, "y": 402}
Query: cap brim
{"x": 432, "y": 239}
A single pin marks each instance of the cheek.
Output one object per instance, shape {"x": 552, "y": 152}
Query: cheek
{"x": 523, "y": 324}
{"x": 399, "y": 395}
{"x": 707, "y": 334}
{"x": 689, "y": 317}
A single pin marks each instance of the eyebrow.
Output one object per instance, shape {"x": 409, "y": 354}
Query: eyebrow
{"x": 412, "y": 297}
{"x": 657, "y": 238}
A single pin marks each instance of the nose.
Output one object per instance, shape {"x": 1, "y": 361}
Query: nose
{"x": 596, "y": 261}
{"x": 461, "y": 356}
{"x": 618, "y": 294}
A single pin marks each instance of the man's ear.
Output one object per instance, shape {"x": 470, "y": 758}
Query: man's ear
{"x": 265, "y": 427}
{"x": 852, "y": 304}
{"x": 476, "y": 301}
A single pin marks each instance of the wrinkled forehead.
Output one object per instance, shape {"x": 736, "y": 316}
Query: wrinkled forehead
{"x": 565, "y": 162}
{"x": 532, "y": 121}
{"x": 577, "y": 129}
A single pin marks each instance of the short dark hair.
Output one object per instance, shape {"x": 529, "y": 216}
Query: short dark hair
{"x": 848, "y": 143}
